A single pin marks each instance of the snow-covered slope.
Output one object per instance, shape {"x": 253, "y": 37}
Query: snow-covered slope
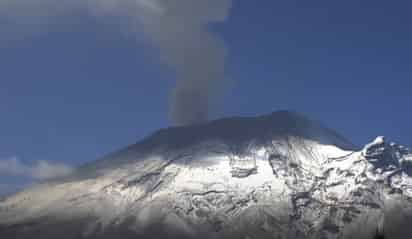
{"x": 275, "y": 176}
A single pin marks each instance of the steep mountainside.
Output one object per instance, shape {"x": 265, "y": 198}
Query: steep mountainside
{"x": 275, "y": 176}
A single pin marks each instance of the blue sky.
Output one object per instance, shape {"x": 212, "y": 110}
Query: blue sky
{"x": 84, "y": 88}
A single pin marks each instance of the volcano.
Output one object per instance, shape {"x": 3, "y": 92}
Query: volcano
{"x": 274, "y": 176}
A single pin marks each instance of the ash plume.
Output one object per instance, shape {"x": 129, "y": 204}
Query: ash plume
{"x": 178, "y": 28}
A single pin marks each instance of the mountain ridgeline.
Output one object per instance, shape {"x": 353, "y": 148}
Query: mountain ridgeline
{"x": 274, "y": 176}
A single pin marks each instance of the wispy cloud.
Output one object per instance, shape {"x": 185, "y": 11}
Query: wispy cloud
{"x": 40, "y": 170}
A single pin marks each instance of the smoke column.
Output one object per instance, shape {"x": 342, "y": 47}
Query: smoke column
{"x": 178, "y": 28}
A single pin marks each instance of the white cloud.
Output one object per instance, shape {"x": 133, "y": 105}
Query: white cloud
{"x": 46, "y": 170}
{"x": 40, "y": 170}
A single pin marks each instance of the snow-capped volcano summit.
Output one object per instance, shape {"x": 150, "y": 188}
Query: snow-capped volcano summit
{"x": 275, "y": 176}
